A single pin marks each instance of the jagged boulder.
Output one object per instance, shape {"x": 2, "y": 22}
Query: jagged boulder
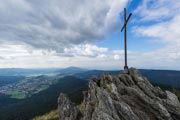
{"x": 66, "y": 109}
{"x": 124, "y": 97}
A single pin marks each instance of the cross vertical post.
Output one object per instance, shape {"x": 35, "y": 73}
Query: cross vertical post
{"x": 125, "y": 40}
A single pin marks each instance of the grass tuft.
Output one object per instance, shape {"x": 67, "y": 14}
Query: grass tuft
{"x": 53, "y": 115}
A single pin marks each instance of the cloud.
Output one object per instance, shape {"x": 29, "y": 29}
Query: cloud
{"x": 58, "y": 24}
{"x": 118, "y": 52}
{"x": 87, "y": 56}
{"x": 116, "y": 57}
{"x": 86, "y": 51}
{"x": 102, "y": 56}
{"x": 164, "y": 17}
{"x": 157, "y": 10}
{"x": 164, "y": 31}
{"x": 52, "y": 33}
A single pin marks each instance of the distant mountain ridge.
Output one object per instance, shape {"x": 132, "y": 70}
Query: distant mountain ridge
{"x": 23, "y": 71}
{"x": 71, "y": 70}
{"x": 169, "y": 78}
{"x": 26, "y": 71}
{"x": 165, "y": 77}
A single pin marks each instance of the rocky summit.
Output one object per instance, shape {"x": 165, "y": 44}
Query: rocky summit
{"x": 123, "y": 97}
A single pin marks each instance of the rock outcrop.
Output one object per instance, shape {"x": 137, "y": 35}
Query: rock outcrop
{"x": 124, "y": 97}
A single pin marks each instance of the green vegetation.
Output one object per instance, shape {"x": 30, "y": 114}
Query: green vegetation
{"x": 29, "y": 86}
{"x": 16, "y": 94}
{"x": 42, "y": 102}
{"x": 53, "y": 115}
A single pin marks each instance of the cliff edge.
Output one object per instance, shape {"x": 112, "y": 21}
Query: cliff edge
{"x": 123, "y": 97}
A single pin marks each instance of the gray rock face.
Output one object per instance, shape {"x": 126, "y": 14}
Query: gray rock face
{"x": 123, "y": 97}
{"x": 66, "y": 109}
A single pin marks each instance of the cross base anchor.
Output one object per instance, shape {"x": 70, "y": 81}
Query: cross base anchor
{"x": 126, "y": 70}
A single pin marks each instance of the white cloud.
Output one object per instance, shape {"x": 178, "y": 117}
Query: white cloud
{"x": 164, "y": 16}
{"x": 164, "y": 31}
{"x": 85, "y": 50}
{"x": 118, "y": 51}
{"x": 102, "y": 56}
{"x": 116, "y": 57}
{"x": 157, "y": 10}
{"x": 82, "y": 55}
{"x": 57, "y": 33}
{"x": 63, "y": 31}
{"x": 57, "y": 24}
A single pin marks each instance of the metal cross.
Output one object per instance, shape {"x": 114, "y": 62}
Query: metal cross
{"x": 125, "y": 38}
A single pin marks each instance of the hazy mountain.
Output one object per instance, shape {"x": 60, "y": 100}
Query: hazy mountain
{"x": 71, "y": 70}
{"x": 168, "y": 77}
{"x": 21, "y": 71}
{"x": 165, "y": 77}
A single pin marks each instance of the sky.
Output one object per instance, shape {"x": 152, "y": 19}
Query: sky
{"x": 86, "y": 33}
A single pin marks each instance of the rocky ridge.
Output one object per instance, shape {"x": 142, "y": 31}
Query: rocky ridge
{"x": 124, "y": 97}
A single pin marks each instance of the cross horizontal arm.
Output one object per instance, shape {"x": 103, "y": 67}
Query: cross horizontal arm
{"x": 125, "y": 22}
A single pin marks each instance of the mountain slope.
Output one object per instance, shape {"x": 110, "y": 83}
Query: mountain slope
{"x": 166, "y": 77}
{"x": 43, "y": 102}
{"x": 123, "y": 97}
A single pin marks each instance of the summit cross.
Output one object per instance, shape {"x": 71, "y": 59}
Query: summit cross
{"x": 125, "y": 39}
